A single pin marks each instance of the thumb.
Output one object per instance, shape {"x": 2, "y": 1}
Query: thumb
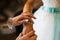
{"x": 20, "y": 35}
{"x": 21, "y": 22}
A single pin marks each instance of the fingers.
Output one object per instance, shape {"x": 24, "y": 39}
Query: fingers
{"x": 28, "y": 14}
{"x": 21, "y": 22}
{"x": 20, "y": 35}
{"x": 31, "y": 16}
{"x": 30, "y": 34}
{"x": 31, "y": 21}
{"x": 20, "y": 19}
{"x": 33, "y": 37}
{"x": 25, "y": 17}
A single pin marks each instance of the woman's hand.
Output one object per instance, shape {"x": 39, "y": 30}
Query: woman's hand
{"x": 28, "y": 36}
{"x": 20, "y": 19}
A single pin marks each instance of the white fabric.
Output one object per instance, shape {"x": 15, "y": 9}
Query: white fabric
{"x": 44, "y": 25}
{"x": 51, "y": 3}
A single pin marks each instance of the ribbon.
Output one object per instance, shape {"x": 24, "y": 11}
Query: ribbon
{"x": 56, "y": 20}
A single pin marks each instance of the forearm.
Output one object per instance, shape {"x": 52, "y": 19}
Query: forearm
{"x": 27, "y": 28}
{"x": 28, "y": 6}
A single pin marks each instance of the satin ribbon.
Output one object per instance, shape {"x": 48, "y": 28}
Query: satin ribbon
{"x": 56, "y": 20}
{"x": 51, "y": 10}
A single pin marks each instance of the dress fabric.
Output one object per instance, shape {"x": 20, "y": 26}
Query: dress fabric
{"x": 47, "y": 24}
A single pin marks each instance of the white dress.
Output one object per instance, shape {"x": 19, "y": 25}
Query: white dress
{"x": 47, "y": 23}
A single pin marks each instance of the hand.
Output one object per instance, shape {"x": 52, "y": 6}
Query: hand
{"x": 20, "y": 19}
{"x": 28, "y": 36}
{"x": 30, "y": 14}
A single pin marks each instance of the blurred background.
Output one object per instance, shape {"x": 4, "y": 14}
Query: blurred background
{"x": 12, "y": 8}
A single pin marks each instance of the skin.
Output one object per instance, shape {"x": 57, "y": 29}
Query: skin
{"x": 27, "y": 14}
{"x": 18, "y": 20}
{"x": 28, "y": 26}
{"x": 30, "y": 4}
{"x": 28, "y": 36}
{"x": 28, "y": 9}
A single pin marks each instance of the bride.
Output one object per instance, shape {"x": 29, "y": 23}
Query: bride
{"x": 47, "y": 22}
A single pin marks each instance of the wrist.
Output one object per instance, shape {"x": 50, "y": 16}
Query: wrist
{"x": 9, "y": 23}
{"x": 27, "y": 11}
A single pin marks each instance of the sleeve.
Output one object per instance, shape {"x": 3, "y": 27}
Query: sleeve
{"x": 9, "y": 23}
